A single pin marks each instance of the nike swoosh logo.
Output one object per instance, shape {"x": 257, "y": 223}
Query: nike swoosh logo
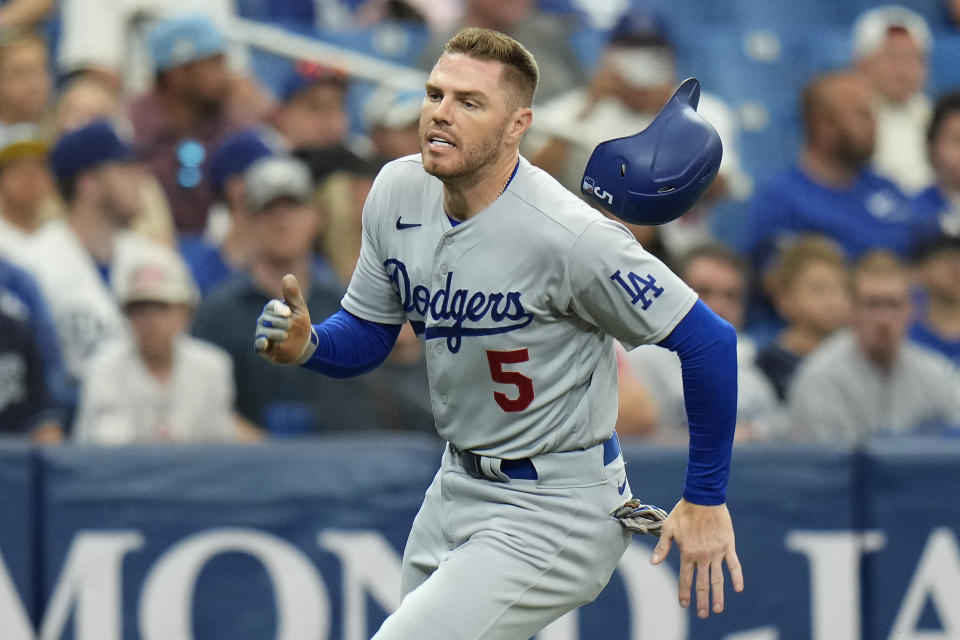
{"x": 622, "y": 486}
{"x": 406, "y": 225}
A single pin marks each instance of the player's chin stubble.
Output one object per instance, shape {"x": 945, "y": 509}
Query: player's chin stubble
{"x": 469, "y": 160}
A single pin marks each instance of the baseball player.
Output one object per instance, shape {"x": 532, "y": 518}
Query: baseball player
{"x": 518, "y": 289}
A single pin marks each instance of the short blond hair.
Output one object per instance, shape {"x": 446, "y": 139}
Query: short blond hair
{"x": 810, "y": 249}
{"x": 879, "y": 263}
{"x": 520, "y": 70}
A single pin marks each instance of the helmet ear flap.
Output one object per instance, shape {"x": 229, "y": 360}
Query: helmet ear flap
{"x": 658, "y": 174}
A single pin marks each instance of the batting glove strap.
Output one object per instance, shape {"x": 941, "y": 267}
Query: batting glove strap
{"x": 642, "y": 519}
{"x": 310, "y": 347}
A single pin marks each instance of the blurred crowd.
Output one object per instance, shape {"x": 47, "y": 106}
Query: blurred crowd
{"x": 154, "y": 191}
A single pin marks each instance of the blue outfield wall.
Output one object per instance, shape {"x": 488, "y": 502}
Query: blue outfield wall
{"x": 303, "y": 540}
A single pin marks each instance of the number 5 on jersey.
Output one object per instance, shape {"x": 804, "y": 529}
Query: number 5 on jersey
{"x": 524, "y": 385}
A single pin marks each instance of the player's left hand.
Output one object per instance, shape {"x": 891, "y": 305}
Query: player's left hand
{"x": 705, "y": 537}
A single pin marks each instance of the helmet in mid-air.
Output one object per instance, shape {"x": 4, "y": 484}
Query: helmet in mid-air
{"x": 657, "y": 175}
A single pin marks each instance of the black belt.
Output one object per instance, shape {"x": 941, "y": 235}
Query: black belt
{"x": 523, "y": 468}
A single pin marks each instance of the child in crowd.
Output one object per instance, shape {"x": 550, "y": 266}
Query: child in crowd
{"x": 157, "y": 384}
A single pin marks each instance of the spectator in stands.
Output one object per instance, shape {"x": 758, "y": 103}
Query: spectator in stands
{"x": 108, "y": 40}
{"x": 25, "y": 82}
{"x": 392, "y": 119}
{"x": 938, "y": 206}
{"x": 227, "y": 247}
{"x": 546, "y": 36}
{"x": 25, "y": 406}
{"x": 20, "y": 298}
{"x": 398, "y": 388}
{"x": 179, "y": 122}
{"x": 82, "y": 100}
{"x": 635, "y": 77}
{"x": 290, "y": 401}
{"x": 25, "y": 184}
{"x": 175, "y": 388}
{"x": 831, "y": 191}
{"x": 637, "y": 411}
{"x": 312, "y": 111}
{"x": 873, "y": 379}
{"x": 891, "y": 47}
{"x": 85, "y": 99}
{"x": 24, "y": 13}
{"x": 719, "y": 276}
{"x": 311, "y": 120}
{"x": 74, "y": 259}
{"x": 936, "y": 322}
{"x": 808, "y": 285}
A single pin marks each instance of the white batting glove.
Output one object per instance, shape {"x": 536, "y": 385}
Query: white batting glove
{"x": 273, "y": 326}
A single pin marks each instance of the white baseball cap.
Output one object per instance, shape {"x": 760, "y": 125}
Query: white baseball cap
{"x": 275, "y": 177}
{"x": 871, "y": 28}
{"x": 156, "y": 275}
{"x": 393, "y": 109}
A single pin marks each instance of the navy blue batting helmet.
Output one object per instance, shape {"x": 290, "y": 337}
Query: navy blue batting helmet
{"x": 655, "y": 176}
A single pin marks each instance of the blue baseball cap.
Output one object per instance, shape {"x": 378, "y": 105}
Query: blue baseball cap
{"x": 307, "y": 74}
{"x": 86, "y": 148}
{"x": 234, "y": 155}
{"x": 640, "y": 28}
{"x": 185, "y": 39}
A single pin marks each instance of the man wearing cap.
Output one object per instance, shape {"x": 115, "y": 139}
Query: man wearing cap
{"x": 392, "y": 118}
{"x": 287, "y": 401}
{"x": 311, "y": 121}
{"x": 179, "y": 123}
{"x": 634, "y": 78}
{"x": 74, "y": 259}
{"x": 891, "y": 47}
{"x": 226, "y": 248}
{"x": 25, "y": 184}
{"x": 175, "y": 388}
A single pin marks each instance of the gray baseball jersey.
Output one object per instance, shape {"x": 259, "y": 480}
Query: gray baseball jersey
{"x": 518, "y": 306}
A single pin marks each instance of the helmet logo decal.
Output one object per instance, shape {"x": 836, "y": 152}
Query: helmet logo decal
{"x": 588, "y": 186}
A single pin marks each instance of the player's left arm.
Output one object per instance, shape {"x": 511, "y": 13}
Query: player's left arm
{"x": 631, "y": 295}
{"x": 700, "y": 523}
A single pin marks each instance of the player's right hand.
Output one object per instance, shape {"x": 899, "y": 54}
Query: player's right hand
{"x": 283, "y": 328}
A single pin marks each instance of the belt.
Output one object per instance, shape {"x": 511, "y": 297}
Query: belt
{"x": 522, "y": 469}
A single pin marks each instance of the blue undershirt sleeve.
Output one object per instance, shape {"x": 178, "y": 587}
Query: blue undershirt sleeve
{"x": 348, "y": 346}
{"x": 707, "y": 346}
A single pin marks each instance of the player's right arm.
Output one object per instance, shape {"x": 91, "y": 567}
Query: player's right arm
{"x": 357, "y": 338}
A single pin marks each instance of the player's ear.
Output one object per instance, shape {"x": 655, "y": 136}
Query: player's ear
{"x": 519, "y": 123}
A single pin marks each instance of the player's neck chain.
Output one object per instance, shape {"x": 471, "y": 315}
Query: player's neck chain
{"x": 509, "y": 178}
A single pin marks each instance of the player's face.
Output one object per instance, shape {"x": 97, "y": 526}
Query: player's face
{"x": 881, "y": 312}
{"x": 945, "y": 151}
{"x": 464, "y": 118}
{"x": 720, "y": 286}
{"x": 818, "y": 299}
